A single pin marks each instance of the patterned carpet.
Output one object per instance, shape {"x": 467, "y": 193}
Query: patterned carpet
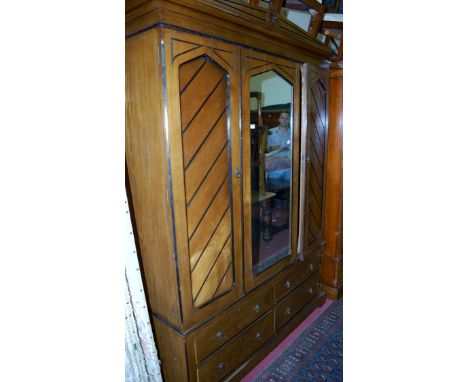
{"x": 316, "y": 355}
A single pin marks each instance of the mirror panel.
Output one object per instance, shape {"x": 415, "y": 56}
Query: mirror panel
{"x": 271, "y": 98}
{"x": 298, "y": 13}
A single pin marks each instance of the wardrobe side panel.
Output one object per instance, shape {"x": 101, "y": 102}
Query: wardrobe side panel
{"x": 147, "y": 162}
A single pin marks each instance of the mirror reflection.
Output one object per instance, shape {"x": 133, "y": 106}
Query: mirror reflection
{"x": 271, "y": 168}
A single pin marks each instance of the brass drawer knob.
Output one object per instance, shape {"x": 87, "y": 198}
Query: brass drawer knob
{"x": 221, "y": 366}
{"x": 287, "y": 312}
{"x": 257, "y": 308}
{"x": 310, "y": 290}
{"x": 311, "y": 266}
{"x": 219, "y": 335}
{"x": 258, "y": 336}
{"x": 287, "y": 284}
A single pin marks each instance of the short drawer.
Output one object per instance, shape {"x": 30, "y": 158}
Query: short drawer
{"x": 311, "y": 263}
{"x": 208, "y": 339}
{"x": 226, "y": 359}
{"x": 298, "y": 273}
{"x": 295, "y": 301}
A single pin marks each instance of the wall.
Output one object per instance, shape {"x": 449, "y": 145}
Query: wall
{"x": 275, "y": 89}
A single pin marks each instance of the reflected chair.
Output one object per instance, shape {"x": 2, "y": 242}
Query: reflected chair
{"x": 260, "y": 194}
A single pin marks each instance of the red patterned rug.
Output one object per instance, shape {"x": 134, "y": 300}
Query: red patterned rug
{"x": 316, "y": 355}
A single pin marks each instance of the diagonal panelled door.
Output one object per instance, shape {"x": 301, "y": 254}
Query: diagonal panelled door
{"x": 204, "y": 108}
{"x": 316, "y": 144}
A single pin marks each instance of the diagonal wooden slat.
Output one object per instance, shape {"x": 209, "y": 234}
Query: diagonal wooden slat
{"x": 313, "y": 175}
{"x": 226, "y": 56}
{"x": 206, "y": 192}
{"x": 215, "y": 275}
{"x": 315, "y": 226}
{"x": 323, "y": 93}
{"x": 310, "y": 235}
{"x": 226, "y": 282}
{"x": 211, "y": 100}
{"x": 188, "y": 72}
{"x": 316, "y": 211}
{"x": 315, "y": 136}
{"x": 289, "y": 70}
{"x": 320, "y": 94}
{"x": 222, "y": 231}
{"x": 252, "y": 68}
{"x": 314, "y": 192}
{"x": 209, "y": 222}
{"x": 197, "y": 93}
{"x": 199, "y": 169}
{"x": 318, "y": 171}
{"x": 210, "y": 254}
{"x": 316, "y": 154}
{"x": 318, "y": 114}
{"x": 220, "y": 123}
{"x": 180, "y": 47}
{"x": 315, "y": 149}
{"x": 212, "y": 116}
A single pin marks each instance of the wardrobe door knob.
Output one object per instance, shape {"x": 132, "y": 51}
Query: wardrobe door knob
{"x": 311, "y": 290}
{"x": 287, "y": 312}
{"x": 221, "y": 366}
{"x": 311, "y": 266}
{"x": 258, "y": 336}
{"x": 219, "y": 335}
{"x": 257, "y": 308}
{"x": 287, "y": 284}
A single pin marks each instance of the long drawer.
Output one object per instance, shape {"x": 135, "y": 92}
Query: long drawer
{"x": 226, "y": 359}
{"x": 306, "y": 292}
{"x": 232, "y": 322}
{"x": 296, "y": 275}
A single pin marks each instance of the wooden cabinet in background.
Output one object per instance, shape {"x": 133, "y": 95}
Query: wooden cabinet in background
{"x": 205, "y": 202}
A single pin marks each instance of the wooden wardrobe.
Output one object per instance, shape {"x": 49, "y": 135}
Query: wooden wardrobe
{"x": 231, "y": 254}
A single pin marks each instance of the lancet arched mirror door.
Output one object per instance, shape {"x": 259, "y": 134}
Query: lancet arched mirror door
{"x": 270, "y": 133}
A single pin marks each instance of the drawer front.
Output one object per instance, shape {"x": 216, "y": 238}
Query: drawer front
{"x": 229, "y": 324}
{"x": 311, "y": 263}
{"x": 224, "y": 361}
{"x": 299, "y": 272}
{"x": 294, "y": 302}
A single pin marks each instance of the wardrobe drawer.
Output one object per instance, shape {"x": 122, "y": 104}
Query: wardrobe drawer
{"x": 311, "y": 263}
{"x": 245, "y": 344}
{"x": 298, "y": 273}
{"x": 296, "y": 300}
{"x": 210, "y": 338}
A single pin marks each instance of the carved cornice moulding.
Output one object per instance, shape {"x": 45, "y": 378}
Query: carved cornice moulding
{"x": 229, "y": 20}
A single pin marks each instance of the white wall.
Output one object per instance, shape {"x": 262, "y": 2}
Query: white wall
{"x": 274, "y": 88}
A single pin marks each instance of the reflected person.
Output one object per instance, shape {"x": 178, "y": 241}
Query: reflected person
{"x": 278, "y": 153}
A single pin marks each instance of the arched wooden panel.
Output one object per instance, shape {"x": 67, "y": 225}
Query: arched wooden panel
{"x": 204, "y": 108}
